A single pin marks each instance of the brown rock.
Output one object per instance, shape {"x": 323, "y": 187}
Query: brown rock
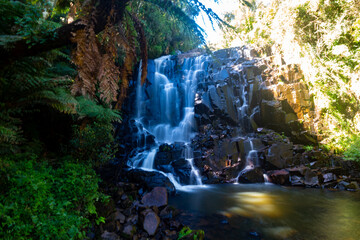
{"x": 298, "y": 171}
{"x": 157, "y": 197}
{"x": 151, "y": 222}
{"x": 279, "y": 176}
{"x": 311, "y": 178}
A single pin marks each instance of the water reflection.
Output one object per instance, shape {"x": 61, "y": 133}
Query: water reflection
{"x": 254, "y": 204}
{"x": 272, "y": 212}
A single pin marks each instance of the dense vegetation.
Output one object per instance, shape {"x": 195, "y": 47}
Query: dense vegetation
{"x": 64, "y": 71}
{"x": 65, "y": 68}
{"x": 323, "y": 38}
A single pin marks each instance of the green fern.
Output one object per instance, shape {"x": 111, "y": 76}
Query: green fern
{"x": 89, "y": 108}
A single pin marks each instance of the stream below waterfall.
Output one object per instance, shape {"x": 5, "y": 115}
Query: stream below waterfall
{"x": 266, "y": 211}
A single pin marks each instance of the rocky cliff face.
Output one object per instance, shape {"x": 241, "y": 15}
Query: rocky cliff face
{"x": 248, "y": 112}
{"x": 241, "y": 97}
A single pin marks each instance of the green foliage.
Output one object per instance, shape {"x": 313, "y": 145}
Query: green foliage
{"x": 308, "y": 148}
{"x": 94, "y": 143}
{"x": 184, "y": 232}
{"x": 353, "y": 151}
{"x": 23, "y": 91}
{"x": 27, "y": 19}
{"x": 187, "y": 233}
{"x": 322, "y": 37}
{"x": 168, "y": 29}
{"x": 90, "y": 109}
{"x": 39, "y": 201}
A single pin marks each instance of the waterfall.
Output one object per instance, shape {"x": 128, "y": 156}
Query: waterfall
{"x": 252, "y": 160}
{"x": 165, "y": 109}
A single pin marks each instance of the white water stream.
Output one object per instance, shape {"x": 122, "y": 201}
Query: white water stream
{"x": 165, "y": 109}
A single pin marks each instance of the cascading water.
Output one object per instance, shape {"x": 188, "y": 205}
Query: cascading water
{"x": 252, "y": 160}
{"x": 165, "y": 109}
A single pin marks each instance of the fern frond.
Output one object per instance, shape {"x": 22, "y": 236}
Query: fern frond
{"x": 88, "y": 108}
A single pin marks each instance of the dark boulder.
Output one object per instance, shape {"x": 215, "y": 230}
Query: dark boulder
{"x": 150, "y": 179}
{"x": 280, "y": 154}
{"x": 109, "y": 236}
{"x": 182, "y": 169}
{"x": 251, "y": 175}
{"x": 279, "y": 176}
{"x": 157, "y": 197}
{"x": 162, "y": 158}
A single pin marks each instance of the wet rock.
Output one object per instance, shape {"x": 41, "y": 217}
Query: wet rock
{"x": 279, "y": 154}
{"x": 221, "y": 76}
{"x": 119, "y": 216}
{"x": 150, "y": 179}
{"x": 129, "y": 230}
{"x": 174, "y": 225}
{"x": 163, "y": 158}
{"x": 151, "y": 222}
{"x": 329, "y": 177}
{"x": 279, "y": 176}
{"x": 298, "y": 171}
{"x": 133, "y": 219}
{"x": 311, "y": 180}
{"x": 252, "y": 175}
{"x": 338, "y": 171}
{"x": 296, "y": 180}
{"x": 329, "y": 184}
{"x": 157, "y": 197}
{"x": 272, "y": 116}
{"x": 342, "y": 185}
{"x": 182, "y": 169}
{"x": 231, "y": 172}
{"x": 109, "y": 236}
{"x": 353, "y": 186}
{"x": 166, "y": 213}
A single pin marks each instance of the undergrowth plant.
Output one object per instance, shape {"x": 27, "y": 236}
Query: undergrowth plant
{"x": 40, "y": 201}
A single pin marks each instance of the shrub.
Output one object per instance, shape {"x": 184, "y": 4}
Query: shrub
{"x": 94, "y": 143}
{"x": 353, "y": 152}
{"x": 39, "y": 201}
{"x": 187, "y": 233}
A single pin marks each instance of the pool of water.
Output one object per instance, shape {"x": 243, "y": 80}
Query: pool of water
{"x": 259, "y": 211}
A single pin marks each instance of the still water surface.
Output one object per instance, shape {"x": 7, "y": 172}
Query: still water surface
{"x": 259, "y": 211}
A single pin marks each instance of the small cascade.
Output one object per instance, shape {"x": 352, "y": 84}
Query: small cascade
{"x": 252, "y": 160}
{"x": 149, "y": 160}
{"x": 195, "y": 178}
{"x": 266, "y": 179}
{"x": 165, "y": 109}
